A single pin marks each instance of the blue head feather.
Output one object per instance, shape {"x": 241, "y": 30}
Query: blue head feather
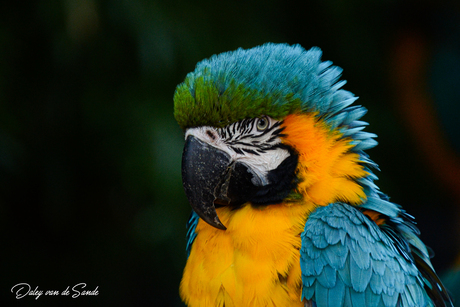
{"x": 272, "y": 79}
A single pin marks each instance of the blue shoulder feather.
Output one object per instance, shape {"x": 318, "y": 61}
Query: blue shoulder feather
{"x": 347, "y": 260}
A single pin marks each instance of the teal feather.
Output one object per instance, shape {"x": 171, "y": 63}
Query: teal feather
{"x": 389, "y": 277}
{"x": 309, "y": 292}
{"x": 344, "y": 273}
{"x": 336, "y": 256}
{"x": 312, "y": 250}
{"x": 366, "y": 262}
{"x": 373, "y": 299}
{"x": 391, "y": 300}
{"x": 308, "y": 271}
{"x": 321, "y": 292}
{"x": 336, "y": 120}
{"x": 358, "y": 123}
{"x": 365, "y": 144}
{"x": 407, "y": 300}
{"x": 319, "y": 241}
{"x": 328, "y": 277}
{"x": 333, "y": 235}
{"x": 319, "y": 265}
{"x": 337, "y": 295}
{"x": 378, "y": 267}
{"x": 354, "y": 113}
{"x": 191, "y": 234}
{"x": 376, "y": 284}
{"x": 347, "y": 299}
{"x": 413, "y": 293}
{"x": 359, "y": 259}
{"x": 358, "y": 298}
{"x": 360, "y": 277}
{"x": 342, "y": 99}
{"x": 379, "y": 205}
{"x": 308, "y": 280}
{"x": 363, "y": 135}
{"x": 352, "y": 131}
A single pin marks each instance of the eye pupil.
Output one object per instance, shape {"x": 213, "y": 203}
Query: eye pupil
{"x": 262, "y": 124}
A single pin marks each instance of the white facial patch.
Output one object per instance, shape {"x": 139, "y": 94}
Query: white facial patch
{"x": 250, "y": 141}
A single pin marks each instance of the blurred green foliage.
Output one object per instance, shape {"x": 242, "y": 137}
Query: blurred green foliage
{"x": 90, "y": 154}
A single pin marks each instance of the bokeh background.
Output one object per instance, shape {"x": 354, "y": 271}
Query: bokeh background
{"x": 90, "y": 187}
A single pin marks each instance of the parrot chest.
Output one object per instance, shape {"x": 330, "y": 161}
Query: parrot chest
{"x": 255, "y": 262}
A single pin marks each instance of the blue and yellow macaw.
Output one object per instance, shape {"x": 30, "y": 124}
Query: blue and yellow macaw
{"x": 285, "y": 208}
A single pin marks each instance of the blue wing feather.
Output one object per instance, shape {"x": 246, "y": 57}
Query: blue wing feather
{"x": 328, "y": 277}
{"x": 358, "y": 298}
{"x": 365, "y": 268}
{"x": 191, "y": 234}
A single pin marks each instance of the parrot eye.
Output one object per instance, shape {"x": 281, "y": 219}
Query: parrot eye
{"x": 262, "y": 123}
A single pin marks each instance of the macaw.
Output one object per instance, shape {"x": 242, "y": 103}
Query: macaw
{"x": 285, "y": 208}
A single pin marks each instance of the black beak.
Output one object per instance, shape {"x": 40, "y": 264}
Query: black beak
{"x": 211, "y": 177}
{"x": 205, "y": 175}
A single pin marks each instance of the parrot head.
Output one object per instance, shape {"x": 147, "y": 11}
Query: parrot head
{"x": 270, "y": 125}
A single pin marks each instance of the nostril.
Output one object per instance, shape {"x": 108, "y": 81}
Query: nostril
{"x": 211, "y": 134}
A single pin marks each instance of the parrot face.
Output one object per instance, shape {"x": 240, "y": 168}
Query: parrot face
{"x": 285, "y": 208}
{"x": 241, "y": 162}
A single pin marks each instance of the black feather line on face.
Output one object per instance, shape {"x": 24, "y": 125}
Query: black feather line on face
{"x": 250, "y": 151}
{"x": 241, "y": 130}
{"x": 248, "y": 136}
{"x": 242, "y": 138}
{"x": 237, "y": 150}
{"x": 239, "y": 142}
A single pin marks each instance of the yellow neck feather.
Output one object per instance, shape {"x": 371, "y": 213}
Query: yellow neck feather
{"x": 255, "y": 262}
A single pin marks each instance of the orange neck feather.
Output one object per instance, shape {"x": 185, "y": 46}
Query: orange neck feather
{"x": 326, "y": 170}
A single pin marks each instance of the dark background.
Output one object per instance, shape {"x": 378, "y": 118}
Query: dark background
{"x": 90, "y": 187}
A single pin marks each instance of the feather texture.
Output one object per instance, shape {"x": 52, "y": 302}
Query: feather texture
{"x": 366, "y": 264}
{"x": 272, "y": 79}
{"x": 356, "y": 247}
